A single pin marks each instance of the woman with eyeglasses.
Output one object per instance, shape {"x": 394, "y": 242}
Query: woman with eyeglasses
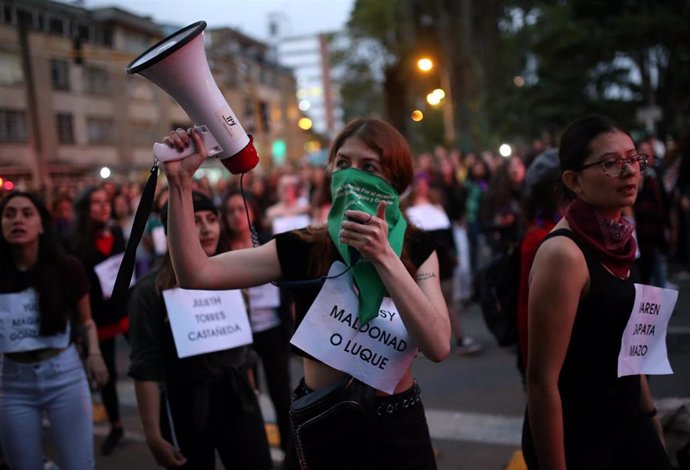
{"x": 580, "y": 414}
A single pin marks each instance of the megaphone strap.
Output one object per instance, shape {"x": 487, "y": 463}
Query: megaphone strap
{"x": 124, "y": 274}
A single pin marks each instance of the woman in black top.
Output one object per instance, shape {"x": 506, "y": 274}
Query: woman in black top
{"x": 368, "y": 155}
{"x": 269, "y": 311}
{"x": 96, "y": 241}
{"x": 193, "y": 406}
{"x": 581, "y": 415}
{"x": 44, "y": 311}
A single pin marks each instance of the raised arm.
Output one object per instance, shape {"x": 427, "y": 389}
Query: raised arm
{"x": 194, "y": 270}
{"x": 557, "y": 278}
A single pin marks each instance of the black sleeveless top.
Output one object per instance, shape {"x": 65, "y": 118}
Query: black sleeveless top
{"x": 294, "y": 253}
{"x": 589, "y": 376}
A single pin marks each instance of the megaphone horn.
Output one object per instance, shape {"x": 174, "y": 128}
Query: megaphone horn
{"x": 178, "y": 65}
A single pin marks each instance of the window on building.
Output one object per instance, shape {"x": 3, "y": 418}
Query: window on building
{"x": 100, "y": 130}
{"x": 140, "y": 90}
{"x": 40, "y": 21}
{"x": 249, "y": 121}
{"x": 7, "y": 13}
{"x": 65, "y": 128}
{"x": 265, "y": 116}
{"x": 59, "y": 74}
{"x": 84, "y": 32}
{"x": 143, "y": 132}
{"x": 13, "y": 126}
{"x": 10, "y": 70}
{"x": 56, "y": 26}
{"x": 96, "y": 81}
{"x": 105, "y": 34}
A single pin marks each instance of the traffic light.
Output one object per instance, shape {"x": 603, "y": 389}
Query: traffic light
{"x": 278, "y": 151}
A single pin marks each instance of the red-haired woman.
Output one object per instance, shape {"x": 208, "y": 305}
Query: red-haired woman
{"x": 367, "y": 321}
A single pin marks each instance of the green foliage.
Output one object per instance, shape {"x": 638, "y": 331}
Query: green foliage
{"x": 574, "y": 56}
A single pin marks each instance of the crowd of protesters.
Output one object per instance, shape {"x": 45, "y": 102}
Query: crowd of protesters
{"x": 473, "y": 204}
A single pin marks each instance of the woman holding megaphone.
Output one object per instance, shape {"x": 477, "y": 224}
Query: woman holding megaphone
{"x": 367, "y": 298}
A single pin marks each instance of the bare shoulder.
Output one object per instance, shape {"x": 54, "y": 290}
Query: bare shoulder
{"x": 560, "y": 249}
{"x": 561, "y": 257}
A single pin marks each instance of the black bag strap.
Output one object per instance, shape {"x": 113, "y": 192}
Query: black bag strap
{"x": 124, "y": 274}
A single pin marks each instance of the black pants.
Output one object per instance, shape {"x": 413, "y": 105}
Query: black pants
{"x": 225, "y": 424}
{"x": 111, "y": 402}
{"x": 629, "y": 444}
{"x": 395, "y": 436}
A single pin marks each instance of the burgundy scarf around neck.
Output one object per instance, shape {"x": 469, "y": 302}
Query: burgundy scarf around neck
{"x": 611, "y": 240}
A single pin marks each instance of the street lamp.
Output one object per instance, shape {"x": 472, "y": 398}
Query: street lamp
{"x": 426, "y": 65}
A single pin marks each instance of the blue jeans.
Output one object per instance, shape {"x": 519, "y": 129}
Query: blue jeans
{"x": 58, "y": 388}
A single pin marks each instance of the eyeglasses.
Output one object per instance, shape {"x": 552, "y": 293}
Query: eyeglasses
{"x": 614, "y": 168}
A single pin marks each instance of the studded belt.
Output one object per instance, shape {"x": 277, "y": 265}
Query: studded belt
{"x": 389, "y": 405}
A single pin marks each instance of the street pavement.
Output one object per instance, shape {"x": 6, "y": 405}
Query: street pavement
{"x": 474, "y": 404}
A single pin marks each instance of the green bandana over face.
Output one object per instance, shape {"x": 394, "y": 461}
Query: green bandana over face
{"x": 353, "y": 189}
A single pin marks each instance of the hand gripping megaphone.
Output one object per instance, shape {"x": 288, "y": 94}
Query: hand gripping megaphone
{"x": 178, "y": 65}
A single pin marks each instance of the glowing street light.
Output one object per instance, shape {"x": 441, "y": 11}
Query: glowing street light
{"x": 417, "y": 115}
{"x": 505, "y": 150}
{"x": 305, "y": 123}
{"x": 425, "y": 64}
{"x": 435, "y": 97}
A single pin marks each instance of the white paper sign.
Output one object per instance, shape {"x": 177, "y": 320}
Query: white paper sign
{"x": 160, "y": 240}
{"x": 377, "y": 353}
{"x": 20, "y": 324}
{"x": 107, "y": 274}
{"x": 428, "y": 217}
{"x": 643, "y": 348}
{"x": 264, "y": 296}
{"x": 205, "y": 321}
{"x": 293, "y": 222}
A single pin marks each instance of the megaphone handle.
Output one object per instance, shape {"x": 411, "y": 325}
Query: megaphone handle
{"x": 163, "y": 153}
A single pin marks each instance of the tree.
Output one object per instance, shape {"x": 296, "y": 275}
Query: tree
{"x": 519, "y": 69}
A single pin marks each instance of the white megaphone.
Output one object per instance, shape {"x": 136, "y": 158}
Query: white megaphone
{"x": 178, "y": 65}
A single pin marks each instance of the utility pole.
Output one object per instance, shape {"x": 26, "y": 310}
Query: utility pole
{"x": 39, "y": 174}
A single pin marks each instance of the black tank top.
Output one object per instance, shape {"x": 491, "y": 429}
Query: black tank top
{"x": 589, "y": 377}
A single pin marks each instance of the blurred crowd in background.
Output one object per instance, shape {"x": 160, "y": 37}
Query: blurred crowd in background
{"x": 481, "y": 193}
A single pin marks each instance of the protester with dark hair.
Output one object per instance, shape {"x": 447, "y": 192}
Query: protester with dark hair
{"x": 192, "y": 405}
{"x": 44, "y": 304}
{"x": 501, "y": 210}
{"x": 423, "y": 208}
{"x": 581, "y": 414}
{"x": 396, "y": 274}
{"x": 100, "y": 244}
{"x": 269, "y": 310}
{"x": 652, "y": 224}
{"x": 543, "y": 204}
{"x": 63, "y": 218}
{"x": 476, "y": 186}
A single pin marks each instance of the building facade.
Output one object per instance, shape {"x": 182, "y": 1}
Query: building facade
{"x": 67, "y": 107}
{"x": 318, "y": 93}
